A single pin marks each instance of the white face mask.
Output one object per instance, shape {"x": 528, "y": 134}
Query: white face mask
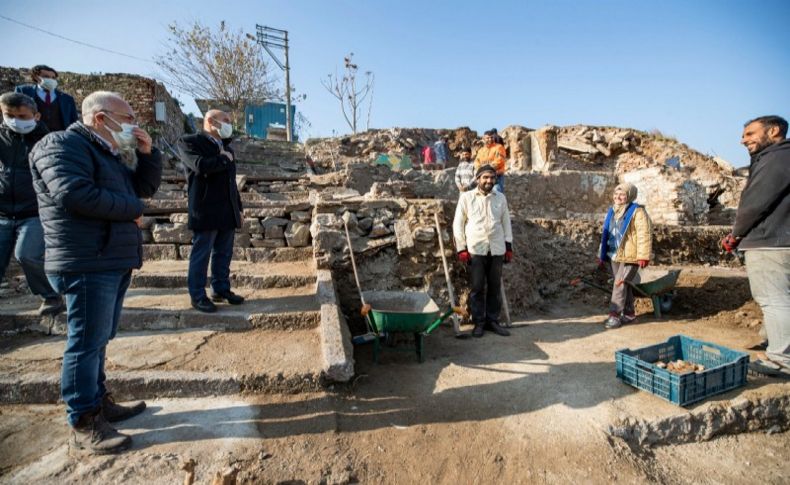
{"x": 124, "y": 138}
{"x": 225, "y": 130}
{"x": 20, "y": 126}
{"x": 48, "y": 84}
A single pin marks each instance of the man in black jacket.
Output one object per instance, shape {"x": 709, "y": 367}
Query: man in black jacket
{"x": 89, "y": 180}
{"x": 762, "y": 230}
{"x": 214, "y": 209}
{"x": 20, "y": 228}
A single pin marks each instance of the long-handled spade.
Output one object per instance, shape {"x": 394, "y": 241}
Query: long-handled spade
{"x": 456, "y": 318}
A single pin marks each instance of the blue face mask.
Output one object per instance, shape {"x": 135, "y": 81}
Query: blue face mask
{"x": 22, "y": 127}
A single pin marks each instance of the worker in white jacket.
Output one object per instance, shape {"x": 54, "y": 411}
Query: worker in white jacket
{"x": 483, "y": 240}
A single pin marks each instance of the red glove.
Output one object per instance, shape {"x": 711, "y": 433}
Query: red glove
{"x": 464, "y": 256}
{"x": 730, "y": 243}
{"x": 508, "y": 256}
{"x": 643, "y": 263}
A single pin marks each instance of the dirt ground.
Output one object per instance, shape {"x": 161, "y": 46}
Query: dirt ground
{"x": 532, "y": 408}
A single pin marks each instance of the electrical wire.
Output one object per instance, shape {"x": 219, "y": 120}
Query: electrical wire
{"x": 85, "y": 44}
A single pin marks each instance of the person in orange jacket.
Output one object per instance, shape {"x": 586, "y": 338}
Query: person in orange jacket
{"x": 492, "y": 154}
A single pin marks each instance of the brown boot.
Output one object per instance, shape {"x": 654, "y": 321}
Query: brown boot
{"x": 93, "y": 435}
{"x": 114, "y": 412}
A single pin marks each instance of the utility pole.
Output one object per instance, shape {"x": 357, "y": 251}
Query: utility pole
{"x": 270, "y": 37}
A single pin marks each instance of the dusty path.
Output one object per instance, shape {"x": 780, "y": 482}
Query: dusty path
{"x": 531, "y": 408}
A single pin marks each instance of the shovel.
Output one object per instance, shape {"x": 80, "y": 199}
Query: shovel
{"x": 456, "y": 319}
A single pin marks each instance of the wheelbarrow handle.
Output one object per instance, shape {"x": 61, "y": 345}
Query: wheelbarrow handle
{"x": 442, "y": 318}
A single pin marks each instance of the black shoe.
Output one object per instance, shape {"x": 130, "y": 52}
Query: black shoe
{"x": 93, "y": 435}
{"x": 115, "y": 412}
{"x": 204, "y": 305}
{"x": 498, "y": 329}
{"x": 478, "y": 331}
{"x": 228, "y": 296}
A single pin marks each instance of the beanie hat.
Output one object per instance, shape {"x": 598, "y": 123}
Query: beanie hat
{"x": 484, "y": 168}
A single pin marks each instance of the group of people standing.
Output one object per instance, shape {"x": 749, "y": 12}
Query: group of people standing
{"x": 484, "y": 238}
{"x": 71, "y": 210}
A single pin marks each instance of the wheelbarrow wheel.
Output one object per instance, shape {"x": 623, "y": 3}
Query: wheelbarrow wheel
{"x": 666, "y": 302}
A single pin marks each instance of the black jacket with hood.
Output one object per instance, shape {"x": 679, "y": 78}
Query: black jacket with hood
{"x": 763, "y": 218}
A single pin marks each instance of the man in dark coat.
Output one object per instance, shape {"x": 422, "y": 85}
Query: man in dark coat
{"x": 214, "y": 209}
{"x": 20, "y": 228}
{"x": 57, "y": 108}
{"x": 762, "y": 231}
{"x": 89, "y": 180}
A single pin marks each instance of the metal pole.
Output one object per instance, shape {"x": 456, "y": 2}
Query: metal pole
{"x": 288, "y": 128}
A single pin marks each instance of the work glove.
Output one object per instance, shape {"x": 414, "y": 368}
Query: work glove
{"x": 464, "y": 256}
{"x": 508, "y": 252}
{"x": 643, "y": 263}
{"x": 730, "y": 243}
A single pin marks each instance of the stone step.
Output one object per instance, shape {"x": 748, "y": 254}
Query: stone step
{"x": 157, "y": 252}
{"x": 173, "y": 274}
{"x": 170, "y": 309}
{"x": 188, "y": 363}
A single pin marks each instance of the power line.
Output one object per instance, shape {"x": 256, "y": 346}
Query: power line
{"x": 85, "y": 44}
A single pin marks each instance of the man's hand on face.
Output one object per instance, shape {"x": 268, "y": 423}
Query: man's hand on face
{"x": 144, "y": 141}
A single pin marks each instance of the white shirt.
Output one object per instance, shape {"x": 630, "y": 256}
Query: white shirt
{"x": 482, "y": 223}
{"x": 43, "y": 94}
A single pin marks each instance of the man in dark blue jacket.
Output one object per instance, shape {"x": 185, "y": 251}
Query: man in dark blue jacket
{"x": 20, "y": 228}
{"x": 89, "y": 180}
{"x": 762, "y": 231}
{"x": 214, "y": 209}
{"x": 57, "y": 108}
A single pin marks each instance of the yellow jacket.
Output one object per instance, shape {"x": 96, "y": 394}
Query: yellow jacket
{"x": 638, "y": 240}
{"x": 494, "y": 155}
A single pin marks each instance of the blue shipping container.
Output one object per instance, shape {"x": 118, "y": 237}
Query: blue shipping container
{"x": 258, "y": 117}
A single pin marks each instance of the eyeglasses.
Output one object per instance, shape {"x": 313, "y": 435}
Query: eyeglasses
{"x": 124, "y": 116}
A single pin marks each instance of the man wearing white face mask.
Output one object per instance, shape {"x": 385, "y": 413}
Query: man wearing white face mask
{"x": 89, "y": 202}
{"x": 20, "y": 227}
{"x": 214, "y": 209}
{"x": 57, "y": 108}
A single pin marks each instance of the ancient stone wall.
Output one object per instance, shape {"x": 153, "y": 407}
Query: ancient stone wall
{"x": 142, "y": 93}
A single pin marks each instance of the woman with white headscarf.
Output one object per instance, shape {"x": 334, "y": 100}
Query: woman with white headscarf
{"x": 626, "y": 245}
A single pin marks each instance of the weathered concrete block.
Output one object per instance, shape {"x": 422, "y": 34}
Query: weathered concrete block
{"x": 274, "y": 221}
{"x": 241, "y": 240}
{"x": 252, "y": 225}
{"x": 171, "y": 233}
{"x": 379, "y": 230}
{"x": 274, "y": 232}
{"x": 403, "y": 235}
{"x": 300, "y": 216}
{"x": 268, "y": 243}
{"x": 159, "y": 251}
{"x": 179, "y": 218}
{"x": 425, "y": 234}
{"x": 265, "y": 212}
{"x": 297, "y": 235}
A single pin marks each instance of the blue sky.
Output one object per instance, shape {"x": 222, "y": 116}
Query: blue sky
{"x": 695, "y": 70}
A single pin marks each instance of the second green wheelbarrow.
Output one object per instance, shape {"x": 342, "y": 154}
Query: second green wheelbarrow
{"x": 658, "y": 285}
{"x": 402, "y": 312}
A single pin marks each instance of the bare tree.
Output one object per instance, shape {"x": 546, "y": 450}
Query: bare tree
{"x": 220, "y": 64}
{"x": 350, "y": 95}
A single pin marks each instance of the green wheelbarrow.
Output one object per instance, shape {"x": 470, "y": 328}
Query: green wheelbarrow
{"x": 658, "y": 285}
{"x": 402, "y": 312}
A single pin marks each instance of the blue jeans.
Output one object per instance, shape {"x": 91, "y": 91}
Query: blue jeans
{"x": 93, "y": 308}
{"x": 25, "y": 238}
{"x": 769, "y": 280}
{"x": 218, "y": 245}
{"x": 500, "y": 184}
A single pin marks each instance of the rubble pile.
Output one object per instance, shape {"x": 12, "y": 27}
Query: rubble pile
{"x": 336, "y": 153}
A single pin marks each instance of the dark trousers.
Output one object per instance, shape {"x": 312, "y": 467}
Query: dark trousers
{"x": 93, "y": 310}
{"x": 486, "y": 296}
{"x": 217, "y": 245}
